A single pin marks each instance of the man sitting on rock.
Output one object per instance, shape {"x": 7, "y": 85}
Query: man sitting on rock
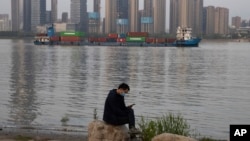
{"x": 115, "y": 111}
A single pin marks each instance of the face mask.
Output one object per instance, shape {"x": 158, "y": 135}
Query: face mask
{"x": 123, "y": 94}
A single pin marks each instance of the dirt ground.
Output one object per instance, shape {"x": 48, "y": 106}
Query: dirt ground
{"x": 11, "y": 134}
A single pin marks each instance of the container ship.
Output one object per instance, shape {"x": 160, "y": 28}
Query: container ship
{"x": 112, "y": 39}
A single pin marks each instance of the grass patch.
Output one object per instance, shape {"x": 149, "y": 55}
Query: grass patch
{"x": 208, "y": 139}
{"x": 168, "y": 123}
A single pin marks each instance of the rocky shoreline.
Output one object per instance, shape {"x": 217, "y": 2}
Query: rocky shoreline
{"x": 31, "y": 134}
{"x": 14, "y": 134}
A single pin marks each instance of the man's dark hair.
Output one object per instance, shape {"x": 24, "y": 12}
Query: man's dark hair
{"x": 123, "y": 86}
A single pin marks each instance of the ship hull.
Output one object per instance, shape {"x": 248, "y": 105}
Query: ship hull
{"x": 41, "y": 43}
{"x": 187, "y": 43}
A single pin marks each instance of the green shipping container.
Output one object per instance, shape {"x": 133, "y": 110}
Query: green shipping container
{"x": 68, "y": 33}
{"x": 135, "y": 39}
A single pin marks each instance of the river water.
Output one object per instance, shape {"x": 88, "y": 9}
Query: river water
{"x": 208, "y": 85}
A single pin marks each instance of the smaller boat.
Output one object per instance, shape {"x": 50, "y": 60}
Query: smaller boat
{"x": 45, "y": 38}
{"x": 42, "y": 39}
{"x": 184, "y": 38}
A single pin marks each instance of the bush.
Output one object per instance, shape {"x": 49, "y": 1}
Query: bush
{"x": 169, "y": 123}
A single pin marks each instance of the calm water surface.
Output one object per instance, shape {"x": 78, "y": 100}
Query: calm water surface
{"x": 208, "y": 85}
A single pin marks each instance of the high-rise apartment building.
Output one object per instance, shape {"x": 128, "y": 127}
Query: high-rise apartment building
{"x": 159, "y": 14}
{"x": 196, "y": 16}
{"x": 148, "y": 8}
{"x": 221, "y": 20}
{"x": 236, "y": 22}
{"x": 110, "y": 16}
{"x": 17, "y": 15}
{"x": 140, "y": 13}
{"x": 133, "y": 15}
{"x": 147, "y": 22}
{"x": 216, "y": 20}
{"x": 21, "y": 15}
{"x": 97, "y": 6}
{"x": 94, "y": 18}
{"x": 97, "y": 9}
{"x": 48, "y": 17}
{"x": 4, "y": 22}
{"x": 27, "y": 15}
{"x": 53, "y": 11}
{"x": 122, "y": 24}
{"x": 78, "y": 14}
{"x": 209, "y": 14}
{"x": 65, "y": 17}
{"x": 186, "y": 13}
{"x": 75, "y": 11}
{"x": 94, "y": 22}
{"x": 122, "y": 9}
{"x": 116, "y": 16}
{"x": 38, "y": 13}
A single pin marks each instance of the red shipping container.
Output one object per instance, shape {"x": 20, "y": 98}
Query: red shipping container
{"x": 121, "y": 40}
{"x": 54, "y": 38}
{"x": 90, "y": 39}
{"x": 170, "y": 40}
{"x": 113, "y": 35}
{"x": 93, "y": 39}
{"x": 102, "y": 39}
{"x": 137, "y": 34}
{"x": 70, "y": 39}
{"x": 150, "y": 40}
{"x": 160, "y": 40}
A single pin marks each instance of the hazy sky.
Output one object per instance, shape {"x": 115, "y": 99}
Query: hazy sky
{"x": 236, "y": 7}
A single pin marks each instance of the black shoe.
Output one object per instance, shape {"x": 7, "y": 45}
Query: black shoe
{"x": 134, "y": 131}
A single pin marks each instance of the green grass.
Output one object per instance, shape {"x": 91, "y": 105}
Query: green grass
{"x": 208, "y": 139}
{"x": 168, "y": 123}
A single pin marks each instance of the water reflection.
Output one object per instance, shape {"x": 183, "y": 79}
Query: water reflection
{"x": 46, "y": 68}
{"x": 23, "y": 96}
{"x": 117, "y": 68}
{"x": 77, "y": 96}
{"x": 208, "y": 85}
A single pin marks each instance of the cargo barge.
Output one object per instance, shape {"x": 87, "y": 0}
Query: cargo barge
{"x": 112, "y": 39}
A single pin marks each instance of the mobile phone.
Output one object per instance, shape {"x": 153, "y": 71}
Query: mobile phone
{"x": 131, "y": 105}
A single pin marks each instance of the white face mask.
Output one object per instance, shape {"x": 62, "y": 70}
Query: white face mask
{"x": 123, "y": 94}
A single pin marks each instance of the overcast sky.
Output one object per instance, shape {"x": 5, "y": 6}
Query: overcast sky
{"x": 236, "y": 7}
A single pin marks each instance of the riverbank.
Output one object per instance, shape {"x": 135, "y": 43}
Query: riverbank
{"x": 13, "y": 134}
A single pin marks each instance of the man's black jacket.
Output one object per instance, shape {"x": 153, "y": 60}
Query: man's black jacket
{"x": 114, "y": 108}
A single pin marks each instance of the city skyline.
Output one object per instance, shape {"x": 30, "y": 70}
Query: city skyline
{"x": 167, "y": 13}
{"x": 232, "y": 5}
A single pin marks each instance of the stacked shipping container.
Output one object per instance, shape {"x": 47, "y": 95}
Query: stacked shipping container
{"x": 132, "y": 37}
{"x": 136, "y": 36}
{"x": 71, "y": 37}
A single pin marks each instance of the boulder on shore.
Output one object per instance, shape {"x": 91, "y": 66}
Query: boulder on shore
{"x": 171, "y": 137}
{"x": 101, "y": 131}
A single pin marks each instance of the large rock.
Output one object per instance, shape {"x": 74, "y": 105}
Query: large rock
{"x": 171, "y": 137}
{"x": 100, "y": 131}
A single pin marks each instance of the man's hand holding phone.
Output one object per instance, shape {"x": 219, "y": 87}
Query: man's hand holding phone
{"x": 130, "y": 106}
